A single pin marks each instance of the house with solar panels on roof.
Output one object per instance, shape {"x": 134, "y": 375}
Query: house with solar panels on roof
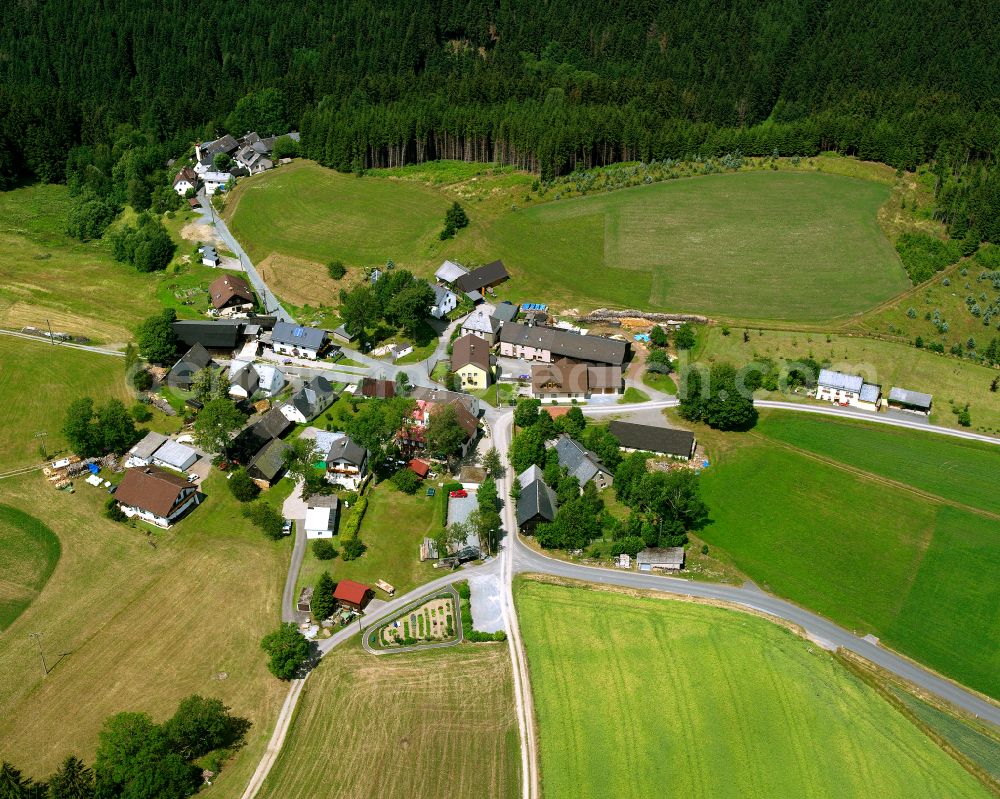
{"x": 298, "y": 341}
{"x": 845, "y": 389}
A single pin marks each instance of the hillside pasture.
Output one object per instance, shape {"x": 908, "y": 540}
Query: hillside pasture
{"x": 29, "y": 552}
{"x": 639, "y": 697}
{"x": 410, "y": 725}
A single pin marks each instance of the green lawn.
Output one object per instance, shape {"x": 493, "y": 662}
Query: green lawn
{"x": 660, "y": 382}
{"x": 29, "y": 552}
{"x": 963, "y": 471}
{"x": 633, "y": 395}
{"x": 872, "y": 557}
{"x": 641, "y": 697}
{"x": 884, "y": 362}
{"x": 393, "y": 528}
{"x": 37, "y": 381}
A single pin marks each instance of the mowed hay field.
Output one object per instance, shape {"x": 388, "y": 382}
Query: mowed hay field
{"x": 37, "y": 381}
{"x": 863, "y": 550}
{"x": 126, "y": 626}
{"x": 429, "y": 724}
{"x": 29, "y": 552}
{"x": 639, "y": 697}
{"x": 46, "y": 275}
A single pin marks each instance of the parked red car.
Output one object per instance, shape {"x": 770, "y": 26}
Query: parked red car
{"x": 460, "y": 494}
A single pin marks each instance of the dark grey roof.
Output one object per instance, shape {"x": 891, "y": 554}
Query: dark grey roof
{"x": 915, "y": 399}
{"x": 314, "y": 397}
{"x": 269, "y": 462}
{"x": 344, "y": 449}
{"x": 310, "y": 338}
{"x": 192, "y": 361}
{"x": 224, "y": 144}
{"x": 673, "y": 556}
{"x": 272, "y": 424}
{"x": 650, "y": 438}
{"x": 536, "y": 499}
{"x": 222, "y": 334}
{"x": 505, "y": 312}
{"x": 246, "y": 378}
{"x": 483, "y": 276}
{"x": 440, "y": 293}
{"x": 580, "y": 461}
{"x": 566, "y": 343}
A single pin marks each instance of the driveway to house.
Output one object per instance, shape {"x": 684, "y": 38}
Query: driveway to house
{"x": 271, "y": 304}
{"x": 294, "y": 508}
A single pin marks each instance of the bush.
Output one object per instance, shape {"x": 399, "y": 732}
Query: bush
{"x": 242, "y": 486}
{"x": 265, "y": 517}
{"x": 323, "y": 549}
{"x": 353, "y": 523}
{"x": 141, "y": 413}
{"x": 923, "y": 256}
{"x": 354, "y": 548}
{"x": 113, "y": 511}
{"x": 463, "y": 590}
{"x": 288, "y": 650}
{"x": 336, "y": 270}
{"x": 406, "y": 481}
{"x": 142, "y": 380}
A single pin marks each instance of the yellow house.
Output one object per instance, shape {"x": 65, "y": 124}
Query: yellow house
{"x": 470, "y": 360}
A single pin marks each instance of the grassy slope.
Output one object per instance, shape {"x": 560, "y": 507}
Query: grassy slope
{"x": 403, "y": 726}
{"x": 817, "y": 534}
{"x": 29, "y": 552}
{"x": 884, "y": 362}
{"x": 798, "y": 246}
{"x": 37, "y": 379}
{"x": 140, "y": 627}
{"x": 636, "y": 697}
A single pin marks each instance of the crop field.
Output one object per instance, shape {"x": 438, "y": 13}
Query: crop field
{"x": 884, "y": 362}
{"x": 37, "y": 380}
{"x": 435, "y": 723}
{"x": 870, "y": 555}
{"x": 126, "y": 626}
{"x": 29, "y": 552}
{"x": 641, "y": 697}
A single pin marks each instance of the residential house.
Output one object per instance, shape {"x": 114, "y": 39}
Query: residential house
{"x": 185, "y": 180}
{"x": 253, "y": 158}
{"x": 445, "y": 301}
{"x": 470, "y": 360}
{"x": 352, "y": 595}
{"x": 209, "y": 257}
{"x": 345, "y": 463}
{"x": 914, "y": 401}
{"x": 545, "y": 344}
{"x": 535, "y": 504}
{"x": 243, "y": 380}
{"x": 653, "y": 438}
{"x": 231, "y": 295}
{"x": 440, "y": 395}
{"x": 174, "y": 455}
{"x": 566, "y": 379}
{"x": 188, "y": 365}
{"x": 844, "y": 389}
{"x": 214, "y": 181}
{"x": 205, "y": 152}
{"x": 483, "y": 278}
{"x": 482, "y": 324}
{"x": 505, "y": 312}
{"x": 298, "y": 341}
{"x": 584, "y": 465}
{"x": 373, "y": 388}
{"x": 155, "y": 496}
{"x": 321, "y": 516}
{"x": 670, "y": 559}
{"x": 267, "y": 466}
{"x": 315, "y": 396}
{"x": 411, "y": 439}
{"x": 142, "y": 453}
{"x": 270, "y": 379}
{"x": 449, "y": 272}
{"x": 529, "y": 475}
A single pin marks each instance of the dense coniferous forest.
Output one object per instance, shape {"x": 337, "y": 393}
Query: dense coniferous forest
{"x": 545, "y": 86}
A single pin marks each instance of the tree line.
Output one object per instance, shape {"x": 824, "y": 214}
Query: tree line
{"x": 547, "y": 87}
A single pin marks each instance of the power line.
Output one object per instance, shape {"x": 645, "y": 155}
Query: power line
{"x": 41, "y": 654}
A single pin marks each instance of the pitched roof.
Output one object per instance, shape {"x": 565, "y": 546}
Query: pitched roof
{"x": 225, "y": 289}
{"x": 309, "y": 338}
{"x": 481, "y": 320}
{"x": 148, "y": 445}
{"x": 578, "y": 460}
{"x": 222, "y": 334}
{"x": 323, "y": 501}
{"x": 350, "y": 591}
{"x": 601, "y": 377}
{"x": 449, "y": 272}
{"x": 269, "y": 461}
{"x": 828, "y": 378}
{"x": 443, "y": 395}
{"x": 665, "y": 556}
{"x": 562, "y": 376}
{"x": 869, "y": 392}
{"x": 470, "y": 349}
{"x": 505, "y": 312}
{"x": 175, "y": 454}
{"x": 244, "y": 376}
{"x": 483, "y": 276}
{"x": 197, "y": 356}
{"x": 566, "y": 343}
{"x": 188, "y": 174}
{"x": 465, "y": 419}
{"x": 272, "y": 424}
{"x": 653, "y": 438}
{"x": 441, "y": 293}
{"x": 378, "y": 389}
{"x": 915, "y": 399}
{"x": 224, "y": 144}
{"x": 419, "y": 467}
{"x": 536, "y": 499}
{"x": 529, "y": 475}
{"x": 314, "y": 397}
{"x": 344, "y": 449}
{"x": 151, "y": 489}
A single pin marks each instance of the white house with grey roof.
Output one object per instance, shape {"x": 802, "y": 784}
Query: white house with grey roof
{"x": 581, "y": 463}
{"x": 297, "y": 340}
{"x": 445, "y": 301}
{"x": 345, "y": 463}
{"x": 213, "y": 181}
{"x": 314, "y": 397}
{"x": 482, "y": 324}
{"x": 844, "y": 389}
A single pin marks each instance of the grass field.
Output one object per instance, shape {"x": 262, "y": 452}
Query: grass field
{"x": 393, "y": 527}
{"x": 884, "y": 362}
{"x": 803, "y": 246}
{"x": 29, "y": 552}
{"x": 37, "y": 381}
{"x": 403, "y": 726}
{"x": 648, "y": 697}
{"x": 126, "y": 626}
{"x": 871, "y": 555}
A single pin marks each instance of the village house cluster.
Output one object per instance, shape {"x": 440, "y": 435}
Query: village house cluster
{"x": 250, "y": 154}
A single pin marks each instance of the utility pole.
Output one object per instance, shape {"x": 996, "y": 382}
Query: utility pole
{"x": 47, "y": 322}
{"x": 41, "y": 654}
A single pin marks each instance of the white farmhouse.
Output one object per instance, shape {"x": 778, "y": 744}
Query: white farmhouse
{"x": 214, "y": 181}
{"x": 844, "y": 389}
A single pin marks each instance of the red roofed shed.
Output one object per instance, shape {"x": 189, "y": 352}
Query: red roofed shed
{"x": 421, "y": 468}
{"x": 352, "y": 595}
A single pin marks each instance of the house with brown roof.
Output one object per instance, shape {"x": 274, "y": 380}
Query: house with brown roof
{"x": 470, "y": 360}
{"x": 155, "y": 496}
{"x": 185, "y": 180}
{"x": 545, "y": 344}
{"x": 377, "y": 389}
{"x": 566, "y": 379}
{"x": 231, "y": 295}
